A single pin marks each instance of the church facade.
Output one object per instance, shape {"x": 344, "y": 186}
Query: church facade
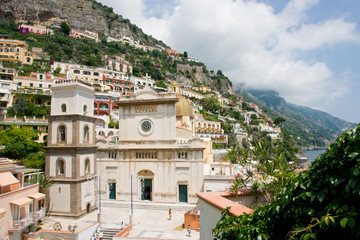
{"x": 149, "y": 159}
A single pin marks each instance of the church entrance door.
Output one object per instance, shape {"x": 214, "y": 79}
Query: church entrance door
{"x": 146, "y": 189}
{"x": 183, "y": 193}
{"x": 112, "y": 190}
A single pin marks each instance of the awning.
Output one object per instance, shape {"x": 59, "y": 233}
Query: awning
{"x": 22, "y": 201}
{"x": 37, "y": 196}
{"x": 6, "y": 178}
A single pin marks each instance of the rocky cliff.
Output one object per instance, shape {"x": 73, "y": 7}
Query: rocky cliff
{"x": 80, "y": 14}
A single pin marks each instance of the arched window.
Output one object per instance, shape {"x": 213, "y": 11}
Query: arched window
{"x": 86, "y": 134}
{"x": 63, "y": 107}
{"x": 60, "y": 166}
{"x": 62, "y": 133}
{"x": 84, "y": 109}
{"x": 87, "y": 166}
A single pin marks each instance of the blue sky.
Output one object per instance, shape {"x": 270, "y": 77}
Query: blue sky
{"x": 307, "y": 50}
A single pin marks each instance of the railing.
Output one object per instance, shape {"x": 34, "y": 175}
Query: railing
{"x": 36, "y": 216}
{"x": 22, "y": 223}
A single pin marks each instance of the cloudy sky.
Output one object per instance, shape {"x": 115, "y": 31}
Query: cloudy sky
{"x": 307, "y": 50}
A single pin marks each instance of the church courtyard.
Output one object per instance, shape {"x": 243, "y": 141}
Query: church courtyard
{"x": 150, "y": 220}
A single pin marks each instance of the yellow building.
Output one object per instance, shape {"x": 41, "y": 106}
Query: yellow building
{"x": 15, "y": 51}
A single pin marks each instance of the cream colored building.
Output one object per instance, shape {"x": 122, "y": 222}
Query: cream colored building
{"x": 71, "y": 149}
{"x": 149, "y": 154}
{"x": 21, "y": 204}
{"x": 15, "y": 51}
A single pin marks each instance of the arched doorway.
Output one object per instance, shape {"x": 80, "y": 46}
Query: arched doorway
{"x": 88, "y": 208}
{"x": 146, "y": 178}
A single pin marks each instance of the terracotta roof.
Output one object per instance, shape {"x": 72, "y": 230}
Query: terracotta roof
{"x": 6, "y": 178}
{"x": 219, "y": 200}
{"x": 25, "y": 77}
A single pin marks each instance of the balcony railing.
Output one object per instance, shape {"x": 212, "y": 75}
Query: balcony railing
{"x": 28, "y": 220}
{"x": 22, "y": 223}
{"x": 36, "y": 216}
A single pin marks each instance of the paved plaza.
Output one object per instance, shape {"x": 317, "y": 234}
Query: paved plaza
{"x": 150, "y": 220}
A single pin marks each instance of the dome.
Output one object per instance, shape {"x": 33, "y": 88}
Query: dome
{"x": 183, "y": 106}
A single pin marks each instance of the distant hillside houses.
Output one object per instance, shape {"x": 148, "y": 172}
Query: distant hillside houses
{"x": 134, "y": 43}
{"x": 15, "y": 51}
{"x": 35, "y": 29}
{"x": 86, "y": 34}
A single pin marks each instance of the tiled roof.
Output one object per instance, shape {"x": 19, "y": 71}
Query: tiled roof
{"x": 219, "y": 200}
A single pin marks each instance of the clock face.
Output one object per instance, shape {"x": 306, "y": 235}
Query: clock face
{"x": 146, "y": 126}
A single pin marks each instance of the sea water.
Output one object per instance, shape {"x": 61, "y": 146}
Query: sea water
{"x": 312, "y": 154}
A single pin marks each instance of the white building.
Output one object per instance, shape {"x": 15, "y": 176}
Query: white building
{"x": 148, "y": 153}
{"x": 71, "y": 150}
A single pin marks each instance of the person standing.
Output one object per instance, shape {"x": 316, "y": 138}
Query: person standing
{"x": 169, "y": 213}
{"x": 189, "y": 231}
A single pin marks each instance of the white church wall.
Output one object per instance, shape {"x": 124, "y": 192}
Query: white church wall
{"x": 60, "y": 191}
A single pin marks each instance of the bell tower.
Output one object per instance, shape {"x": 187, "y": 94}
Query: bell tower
{"x": 71, "y": 150}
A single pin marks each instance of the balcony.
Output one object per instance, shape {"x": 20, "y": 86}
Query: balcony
{"x": 19, "y": 225}
{"x": 33, "y": 217}
{"x": 36, "y": 216}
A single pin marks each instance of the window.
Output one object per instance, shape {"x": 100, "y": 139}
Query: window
{"x": 31, "y": 84}
{"x": 112, "y": 155}
{"x": 35, "y": 128}
{"x": 17, "y": 50}
{"x": 86, "y": 134}
{"x": 182, "y": 155}
{"x": 40, "y": 85}
{"x": 98, "y": 98}
{"x": 146, "y": 155}
{"x": 28, "y": 59}
{"x": 84, "y": 109}
{"x": 105, "y": 98}
{"x": 19, "y": 83}
{"x": 87, "y": 166}
{"x": 63, "y": 107}
{"x": 62, "y": 134}
{"x": 76, "y": 71}
{"x": 60, "y": 166}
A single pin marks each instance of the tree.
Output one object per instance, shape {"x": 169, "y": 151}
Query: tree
{"x": 65, "y": 28}
{"x": 219, "y": 72}
{"x": 210, "y": 104}
{"x": 279, "y": 120}
{"x": 320, "y": 203}
{"x": 19, "y": 142}
{"x": 20, "y": 106}
{"x": 160, "y": 84}
{"x": 185, "y": 55}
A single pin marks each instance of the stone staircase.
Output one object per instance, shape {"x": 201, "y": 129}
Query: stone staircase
{"x": 109, "y": 233}
{"x": 148, "y": 205}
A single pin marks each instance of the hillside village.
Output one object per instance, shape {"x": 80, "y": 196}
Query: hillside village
{"x": 195, "y": 137}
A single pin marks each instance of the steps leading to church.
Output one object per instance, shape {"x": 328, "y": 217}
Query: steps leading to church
{"x": 148, "y": 205}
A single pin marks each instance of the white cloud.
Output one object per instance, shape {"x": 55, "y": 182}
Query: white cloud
{"x": 252, "y": 44}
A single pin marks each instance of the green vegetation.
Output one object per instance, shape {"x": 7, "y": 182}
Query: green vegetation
{"x": 20, "y": 145}
{"x": 320, "y": 203}
{"x": 33, "y": 107}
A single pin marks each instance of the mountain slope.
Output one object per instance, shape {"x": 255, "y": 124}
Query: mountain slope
{"x": 80, "y": 14}
{"x": 312, "y": 127}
